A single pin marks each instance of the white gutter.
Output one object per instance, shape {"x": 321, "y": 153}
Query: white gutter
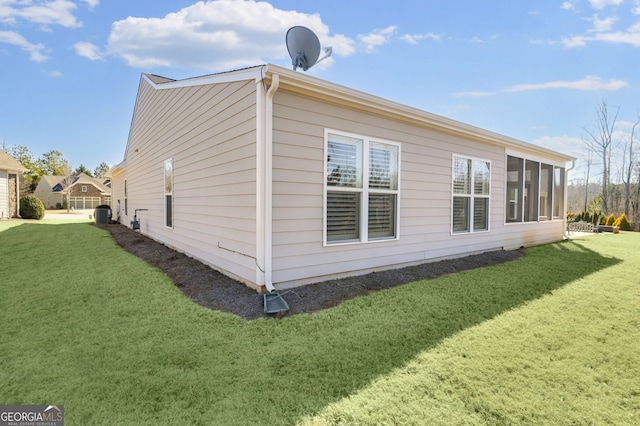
{"x": 566, "y": 185}
{"x": 265, "y": 199}
{"x": 312, "y": 86}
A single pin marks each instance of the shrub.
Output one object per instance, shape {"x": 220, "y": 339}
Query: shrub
{"x": 582, "y": 217}
{"x": 595, "y": 217}
{"x": 610, "y": 219}
{"x": 623, "y": 223}
{"x": 31, "y": 207}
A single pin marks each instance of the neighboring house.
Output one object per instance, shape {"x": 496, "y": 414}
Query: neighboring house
{"x": 10, "y": 171}
{"x": 85, "y": 192}
{"x": 279, "y": 179}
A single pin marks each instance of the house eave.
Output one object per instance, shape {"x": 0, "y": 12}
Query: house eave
{"x": 306, "y": 85}
{"x": 251, "y": 73}
{"x": 310, "y": 86}
{"x": 117, "y": 169}
{"x": 14, "y": 170}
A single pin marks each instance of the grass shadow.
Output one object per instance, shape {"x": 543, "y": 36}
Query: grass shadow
{"x": 139, "y": 343}
{"x": 368, "y": 337}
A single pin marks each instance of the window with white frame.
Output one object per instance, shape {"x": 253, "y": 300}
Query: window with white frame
{"x": 361, "y": 189}
{"x": 84, "y": 188}
{"x": 471, "y": 193}
{"x": 535, "y": 190}
{"x": 168, "y": 193}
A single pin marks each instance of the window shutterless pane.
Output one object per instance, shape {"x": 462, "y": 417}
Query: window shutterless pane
{"x": 168, "y": 193}
{"x": 480, "y": 214}
{"x": 344, "y": 161}
{"x": 481, "y": 177}
{"x": 382, "y": 215}
{"x": 168, "y": 177}
{"x": 383, "y": 166}
{"x": 461, "y": 214}
{"x": 343, "y": 216}
{"x": 462, "y": 176}
{"x": 168, "y": 203}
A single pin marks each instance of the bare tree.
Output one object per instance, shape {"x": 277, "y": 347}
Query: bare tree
{"x": 600, "y": 141}
{"x": 66, "y": 170}
{"x": 589, "y": 162}
{"x": 629, "y": 165}
{"x": 636, "y": 203}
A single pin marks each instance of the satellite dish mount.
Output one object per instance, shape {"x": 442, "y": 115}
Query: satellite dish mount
{"x": 304, "y": 48}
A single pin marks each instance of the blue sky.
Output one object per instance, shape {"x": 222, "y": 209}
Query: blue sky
{"x": 533, "y": 70}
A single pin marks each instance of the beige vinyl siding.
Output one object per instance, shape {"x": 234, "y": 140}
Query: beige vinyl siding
{"x": 117, "y": 194}
{"x": 209, "y": 132}
{"x": 425, "y": 195}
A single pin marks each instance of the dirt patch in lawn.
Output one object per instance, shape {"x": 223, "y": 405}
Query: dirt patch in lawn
{"x": 213, "y": 290}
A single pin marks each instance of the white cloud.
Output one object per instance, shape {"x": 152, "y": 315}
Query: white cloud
{"x": 473, "y": 94}
{"x": 415, "y": 38}
{"x": 567, "y": 5}
{"x": 570, "y": 145}
{"x": 601, "y": 25}
{"x": 567, "y": 144}
{"x": 601, "y": 4}
{"x": 45, "y": 13}
{"x": 35, "y": 50}
{"x": 575, "y": 41}
{"x": 589, "y": 83}
{"x": 216, "y": 35}
{"x": 88, "y": 50}
{"x": 477, "y": 39}
{"x": 631, "y": 36}
{"x": 602, "y": 30}
{"x": 53, "y": 12}
{"x": 92, "y": 3}
{"x": 623, "y": 124}
{"x": 377, "y": 38}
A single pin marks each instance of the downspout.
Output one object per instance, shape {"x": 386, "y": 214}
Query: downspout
{"x": 268, "y": 184}
{"x": 566, "y": 195}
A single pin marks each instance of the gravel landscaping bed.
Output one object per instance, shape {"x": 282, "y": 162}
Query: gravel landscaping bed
{"x": 211, "y": 289}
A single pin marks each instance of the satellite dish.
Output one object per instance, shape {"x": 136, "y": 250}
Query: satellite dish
{"x": 304, "y": 48}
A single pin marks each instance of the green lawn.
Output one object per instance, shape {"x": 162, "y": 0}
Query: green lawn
{"x": 552, "y": 338}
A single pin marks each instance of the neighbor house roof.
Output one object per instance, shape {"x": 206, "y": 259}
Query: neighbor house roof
{"x": 9, "y": 163}
{"x": 59, "y": 183}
